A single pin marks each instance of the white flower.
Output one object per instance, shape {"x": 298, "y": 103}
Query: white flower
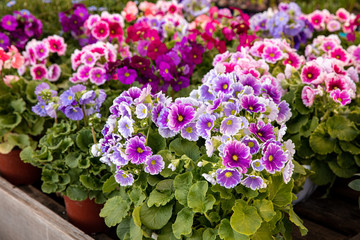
{"x": 209, "y": 178}
{"x": 288, "y": 171}
{"x": 96, "y": 150}
{"x": 200, "y": 164}
{"x": 172, "y": 167}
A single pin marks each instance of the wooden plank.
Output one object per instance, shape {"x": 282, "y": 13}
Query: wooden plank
{"x": 317, "y": 232}
{"x": 356, "y": 237}
{"x": 331, "y": 213}
{"x": 22, "y": 217}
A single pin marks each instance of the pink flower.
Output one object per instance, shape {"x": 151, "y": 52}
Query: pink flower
{"x": 53, "y": 73}
{"x": 97, "y": 75}
{"x": 356, "y": 53}
{"x": 38, "y": 71}
{"x": 76, "y": 59}
{"x": 8, "y": 79}
{"x": 342, "y": 15}
{"x": 130, "y": 11}
{"x": 88, "y": 58}
{"x": 272, "y": 54}
{"x": 317, "y": 19}
{"x": 41, "y": 50}
{"x": 83, "y": 72}
{"x": 339, "y": 54}
{"x": 328, "y": 46}
{"x": 336, "y": 82}
{"x": 90, "y": 22}
{"x": 115, "y": 30}
{"x": 294, "y": 60}
{"x": 312, "y": 74}
{"x": 341, "y": 96}
{"x": 308, "y": 96}
{"x": 101, "y": 30}
{"x": 56, "y": 44}
{"x": 333, "y": 26}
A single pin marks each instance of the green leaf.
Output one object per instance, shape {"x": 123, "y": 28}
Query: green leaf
{"x": 181, "y": 147}
{"x": 47, "y": 187}
{"x": 115, "y": 209}
{"x": 263, "y": 233}
{"x": 91, "y": 182}
{"x": 155, "y": 217}
{"x": 84, "y": 162}
{"x": 279, "y": 192}
{"x": 297, "y": 221}
{"x": 167, "y": 233}
{"x": 158, "y": 199}
{"x": 307, "y": 129}
{"x": 10, "y": 120}
{"x": 345, "y": 160}
{"x": 349, "y": 147}
{"x": 245, "y": 219}
{"x": 165, "y": 185}
{"x": 296, "y": 123}
{"x": 341, "y": 128}
{"x": 355, "y": 184}
{"x": 197, "y": 198}
{"x": 6, "y": 147}
{"x": 182, "y": 184}
{"x": 225, "y": 193}
{"x": 110, "y": 185}
{"x": 72, "y": 159}
{"x": 18, "y": 105}
{"x": 321, "y": 142}
{"x": 183, "y": 223}
{"x": 27, "y": 154}
{"x": 156, "y": 142}
{"x": 135, "y": 231}
{"x": 136, "y": 216}
{"x": 76, "y": 192}
{"x": 323, "y": 175}
{"x": 209, "y": 234}
{"x": 84, "y": 139}
{"x": 137, "y": 196}
{"x": 123, "y": 229}
{"x": 265, "y": 209}
{"x": 342, "y": 172}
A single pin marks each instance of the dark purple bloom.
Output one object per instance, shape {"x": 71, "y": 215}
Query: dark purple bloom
{"x": 228, "y": 178}
{"x": 8, "y": 22}
{"x": 222, "y": 84}
{"x": 126, "y": 75}
{"x": 204, "y": 125}
{"x": 274, "y": 158}
{"x": 263, "y": 131}
{"x": 180, "y": 83}
{"x": 4, "y": 41}
{"x": 252, "y": 143}
{"x": 252, "y": 104}
{"x": 136, "y": 150}
{"x": 253, "y": 182}
{"x": 272, "y": 92}
{"x": 179, "y": 115}
{"x": 74, "y": 113}
{"x": 164, "y": 70}
{"x": 251, "y": 81}
{"x": 237, "y": 155}
{"x": 154, "y": 165}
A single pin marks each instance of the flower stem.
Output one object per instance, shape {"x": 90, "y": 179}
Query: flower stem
{"x": 93, "y": 135}
{"x": 85, "y": 119}
{"x": 149, "y": 123}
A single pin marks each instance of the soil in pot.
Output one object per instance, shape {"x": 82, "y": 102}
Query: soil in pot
{"x": 13, "y": 169}
{"x": 85, "y": 215}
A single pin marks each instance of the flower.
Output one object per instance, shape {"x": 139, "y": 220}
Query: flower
{"x": 164, "y": 70}
{"x": 155, "y": 49}
{"x": 141, "y": 111}
{"x": 125, "y": 126}
{"x": 137, "y": 151}
{"x": 308, "y": 96}
{"x": 124, "y": 179}
{"x": 274, "y": 158}
{"x": 284, "y": 112}
{"x": 272, "y": 54}
{"x": 97, "y": 75}
{"x": 40, "y": 109}
{"x": 88, "y": 58}
{"x": 263, "y": 131}
{"x": 4, "y": 41}
{"x": 231, "y": 125}
{"x": 228, "y": 178}
{"x": 288, "y": 171}
{"x": 252, "y": 143}
{"x": 8, "y": 22}
{"x": 126, "y": 75}
{"x": 154, "y": 164}
{"x": 67, "y": 98}
{"x": 253, "y": 182}
{"x": 41, "y": 51}
{"x": 179, "y": 115}
{"x": 311, "y": 74}
{"x": 53, "y": 73}
{"x": 56, "y": 44}
{"x": 339, "y": 54}
{"x": 38, "y": 71}
{"x": 74, "y": 113}
{"x": 341, "y": 96}
{"x": 189, "y": 132}
{"x": 204, "y": 125}
{"x": 257, "y": 165}
{"x": 222, "y": 84}
{"x": 100, "y": 30}
{"x": 251, "y": 104}
{"x": 237, "y": 155}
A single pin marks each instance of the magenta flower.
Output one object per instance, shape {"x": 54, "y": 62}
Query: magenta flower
{"x": 237, "y": 155}
{"x": 308, "y": 96}
{"x": 126, "y": 75}
{"x": 4, "y": 41}
{"x": 136, "y": 150}
{"x": 41, "y": 51}
{"x": 272, "y": 54}
{"x": 56, "y": 44}
{"x": 337, "y": 82}
{"x": 341, "y": 96}
{"x": 251, "y": 104}
{"x": 124, "y": 179}
{"x": 179, "y": 115}
{"x": 252, "y": 143}
{"x": 154, "y": 164}
{"x": 263, "y": 131}
{"x": 101, "y": 30}
{"x": 253, "y": 182}
{"x": 311, "y": 74}
{"x": 356, "y": 53}
{"x": 38, "y": 71}
{"x": 328, "y": 46}
{"x": 339, "y": 54}
{"x": 53, "y": 73}
{"x": 164, "y": 70}
{"x": 294, "y": 60}
{"x": 88, "y": 58}
{"x": 228, "y": 178}
{"x": 8, "y": 22}
{"x": 204, "y": 125}
{"x": 274, "y": 158}
{"x": 83, "y": 72}
{"x": 98, "y": 75}
{"x": 155, "y": 49}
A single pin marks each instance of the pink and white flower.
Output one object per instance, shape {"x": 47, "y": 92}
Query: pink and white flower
{"x": 53, "y": 73}
{"x": 56, "y": 44}
{"x": 38, "y": 71}
{"x": 341, "y": 96}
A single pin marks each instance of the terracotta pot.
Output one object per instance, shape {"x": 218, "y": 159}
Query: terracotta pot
{"x": 16, "y": 171}
{"x": 85, "y": 215}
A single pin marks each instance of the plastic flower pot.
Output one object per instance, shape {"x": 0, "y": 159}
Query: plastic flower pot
{"x": 308, "y": 189}
{"x": 16, "y": 171}
{"x": 85, "y": 215}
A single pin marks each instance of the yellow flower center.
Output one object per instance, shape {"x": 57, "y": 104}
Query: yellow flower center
{"x": 180, "y": 118}
{"x": 339, "y": 99}
{"x": 166, "y": 71}
{"x": 102, "y": 31}
{"x": 233, "y": 112}
{"x": 309, "y": 75}
{"x": 127, "y": 126}
{"x": 139, "y": 150}
{"x": 89, "y": 59}
{"x": 251, "y": 108}
{"x": 225, "y": 86}
{"x": 69, "y": 97}
{"x": 257, "y": 164}
{"x": 260, "y": 134}
{"x": 209, "y": 124}
{"x": 98, "y": 75}
{"x": 271, "y": 158}
{"x": 8, "y": 23}
{"x": 272, "y": 54}
{"x": 228, "y": 174}
{"x": 195, "y": 56}
{"x": 144, "y": 111}
{"x": 153, "y": 162}
{"x": 251, "y": 144}
{"x": 155, "y": 50}
{"x": 228, "y": 122}
{"x": 127, "y": 74}
{"x": 189, "y": 129}
{"x": 235, "y": 158}
{"x": 42, "y": 106}
{"x": 38, "y": 72}
{"x": 124, "y": 175}
{"x": 41, "y": 50}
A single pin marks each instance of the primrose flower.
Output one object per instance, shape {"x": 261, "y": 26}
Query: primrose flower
{"x": 179, "y": 115}
{"x": 204, "y": 125}
{"x": 74, "y": 113}
{"x": 154, "y": 165}
{"x": 272, "y": 54}
{"x": 124, "y": 179}
{"x": 253, "y": 182}
{"x": 228, "y": 178}
{"x": 263, "y": 131}
{"x": 237, "y": 155}
{"x": 136, "y": 150}
{"x": 341, "y": 96}
{"x": 126, "y": 75}
{"x": 274, "y": 158}
{"x": 125, "y": 126}
{"x": 190, "y": 132}
{"x": 231, "y": 125}
{"x": 38, "y": 71}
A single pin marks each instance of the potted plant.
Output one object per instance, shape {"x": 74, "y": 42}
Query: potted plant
{"x": 19, "y": 126}
{"x": 63, "y": 152}
{"x": 211, "y": 165}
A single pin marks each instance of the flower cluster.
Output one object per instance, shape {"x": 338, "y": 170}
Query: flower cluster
{"x": 221, "y": 27}
{"x": 75, "y": 103}
{"x": 89, "y": 63}
{"x": 18, "y": 28}
{"x": 10, "y": 59}
{"x": 342, "y": 20}
{"x": 37, "y": 54}
{"x": 104, "y": 27}
{"x": 287, "y": 21}
{"x": 234, "y": 113}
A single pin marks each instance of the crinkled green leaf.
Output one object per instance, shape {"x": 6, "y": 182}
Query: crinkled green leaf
{"x": 245, "y": 219}
{"x": 155, "y": 217}
{"x": 183, "y": 223}
{"x": 76, "y": 192}
{"x": 279, "y": 192}
{"x": 158, "y": 199}
{"x": 321, "y": 142}
{"x": 323, "y": 175}
{"x": 181, "y": 147}
{"x": 294, "y": 124}
{"x": 349, "y": 147}
{"x": 10, "y": 120}
{"x": 198, "y": 199}
{"x": 135, "y": 231}
{"x": 123, "y": 229}
{"x": 342, "y": 172}
{"x": 137, "y": 196}
{"x": 341, "y": 128}
{"x": 110, "y": 185}
{"x": 355, "y": 184}
{"x": 91, "y": 182}
{"x": 345, "y": 160}
{"x": 156, "y": 142}
{"x": 209, "y": 234}
{"x": 182, "y": 184}
{"x": 265, "y": 209}
{"x": 72, "y": 159}
{"x": 297, "y": 221}
{"x": 115, "y": 209}
{"x": 84, "y": 139}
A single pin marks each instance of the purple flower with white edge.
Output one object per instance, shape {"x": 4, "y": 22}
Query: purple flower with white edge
{"x": 263, "y": 131}
{"x": 87, "y": 97}
{"x": 67, "y": 98}
{"x": 124, "y": 179}
{"x": 272, "y": 54}
{"x": 253, "y": 182}
{"x": 222, "y": 84}
{"x": 141, "y": 111}
{"x": 51, "y": 110}
{"x": 204, "y": 125}
{"x": 237, "y": 155}
{"x": 136, "y": 150}
{"x": 179, "y": 115}
{"x": 231, "y": 125}
{"x": 74, "y": 113}
{"x": 284, "y": 112}
{"x": 40, "y": 109}
{"x": 274, "y": 158}
{"x": 252, "y": 143}
{"x": 189, "y": 132}
{"x": 125, "y": 126}
{"x": 77, "y": 88}
{"x": 228, "y": 178}
{"x": 271, "y": 91}
{"x": 4, "y": 41}
{"x": 288, "y": 171}
{"x": 257, "y": 165}
{"x": 9, "y": 23}
{"x": 98, "y": 75}
{"x": 252, "y": 104}
{"x": 231, "y": 108}
{"x": 251, "y": 81}
{"x": 206, "y": 94}
{"x": 126, "y": 75}
{"x": 154, "y": 165}
{"x": 118, "y": 158}
{"x": 166, "y": 132}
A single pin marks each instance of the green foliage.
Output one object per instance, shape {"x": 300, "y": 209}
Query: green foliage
{"x": 115, "y": 209}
